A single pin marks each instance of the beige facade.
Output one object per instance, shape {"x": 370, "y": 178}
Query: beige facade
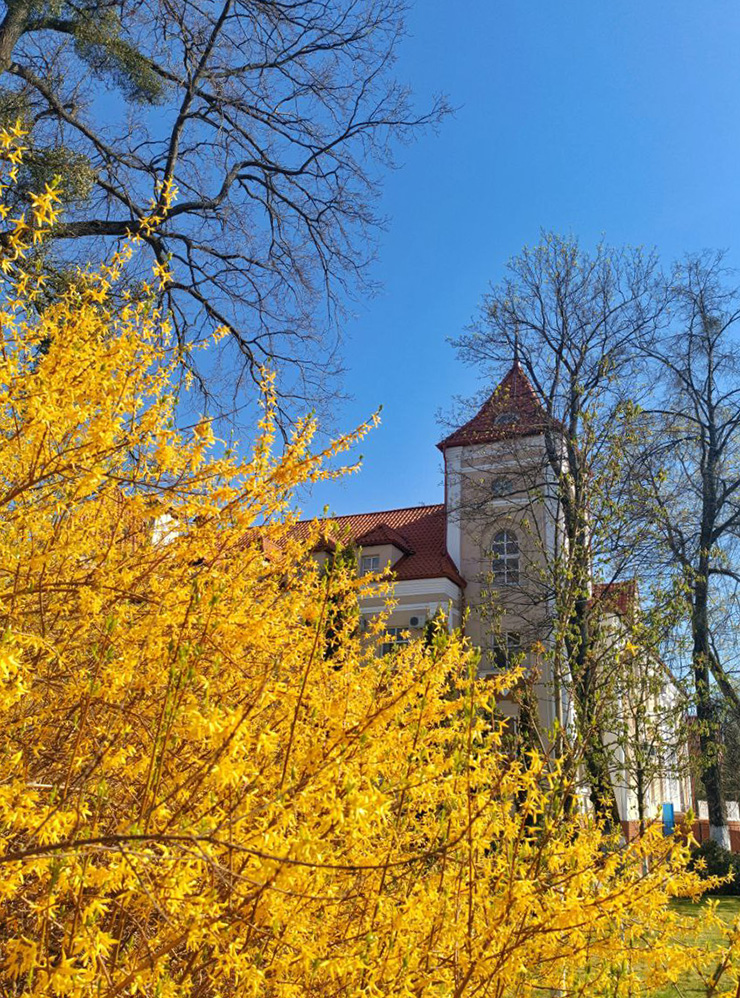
{"x": 502, "y": 531}
{"x": 488, "y": 557}
{"x": 416, "y": 601}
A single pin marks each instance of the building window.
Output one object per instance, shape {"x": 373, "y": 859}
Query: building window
{"x": 505, "y": 649}
{"x": 505, "y": 558}
{"x": 369, "y": 563}
{"x": 506, "y": 418}
{"x": 396, "y": 637}
{"x": 501, "y": 486}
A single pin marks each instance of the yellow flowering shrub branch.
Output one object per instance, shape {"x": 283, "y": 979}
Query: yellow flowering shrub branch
{"x": 196, "y": 797}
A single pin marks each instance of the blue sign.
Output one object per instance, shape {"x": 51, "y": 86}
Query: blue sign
{"x": 669, "y": 823}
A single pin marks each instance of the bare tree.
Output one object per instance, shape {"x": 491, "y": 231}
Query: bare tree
{"x": 574, "y": 320}
{"x": 270, "y": 117}
{"x": 691, "y": 486}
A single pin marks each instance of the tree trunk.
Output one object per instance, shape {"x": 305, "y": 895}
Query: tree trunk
{"x": 583, "y": 655}
{"x": 12, "y": 27}
{"x": 583, "y": 663}
{"x": 706, "y": 714}
{"x": 641, "y": 797}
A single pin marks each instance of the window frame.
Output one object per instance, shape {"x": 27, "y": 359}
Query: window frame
{"x": 396, "y": 633}
{"x": 505, "y": 562}
{"x": 505, "y": 645}
{"x": 371, "y": 569}
{"x": 501, "y": 486}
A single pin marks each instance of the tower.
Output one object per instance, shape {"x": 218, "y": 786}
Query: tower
{"x": 502, "y": 530}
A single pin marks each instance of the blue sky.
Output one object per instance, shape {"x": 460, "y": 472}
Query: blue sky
{"x": 590, "y": 118}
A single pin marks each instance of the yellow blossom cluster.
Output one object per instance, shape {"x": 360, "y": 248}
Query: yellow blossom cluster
{"x": 196, "y": 797}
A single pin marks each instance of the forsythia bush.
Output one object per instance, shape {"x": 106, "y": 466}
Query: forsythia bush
{"x": 196, "y": 798}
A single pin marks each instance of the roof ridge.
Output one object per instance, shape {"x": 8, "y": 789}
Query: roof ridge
{"x": 419, "y": 531}
{"x": 374, "y": 512}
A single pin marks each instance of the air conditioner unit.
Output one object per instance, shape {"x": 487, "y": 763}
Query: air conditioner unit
{"x": 417, "y": 621}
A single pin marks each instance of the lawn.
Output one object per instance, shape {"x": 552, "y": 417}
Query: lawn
{"x": 729, "y": 909}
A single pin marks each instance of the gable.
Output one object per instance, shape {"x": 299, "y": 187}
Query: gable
{"x": 513, "y": 410}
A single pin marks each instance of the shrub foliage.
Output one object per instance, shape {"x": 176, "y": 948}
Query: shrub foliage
{"x": 210, "y": 789}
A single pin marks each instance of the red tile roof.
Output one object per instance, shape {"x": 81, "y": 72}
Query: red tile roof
{"x": 515, "y": 398}
{"x": 420, "y": 529}
{"x": 325, "y": 543}
{"x": 383, "y": 534}
{"x": 619, "y": 597}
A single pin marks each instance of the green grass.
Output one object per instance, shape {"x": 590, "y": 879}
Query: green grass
{"x": 729, "y": 909}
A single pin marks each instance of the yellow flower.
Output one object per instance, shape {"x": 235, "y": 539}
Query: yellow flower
{"x": 213, "y": 784}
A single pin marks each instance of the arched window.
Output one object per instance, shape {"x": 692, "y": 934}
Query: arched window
{"x": 505, "y": 558}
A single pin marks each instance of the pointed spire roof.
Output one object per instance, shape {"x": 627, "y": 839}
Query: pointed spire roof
{"x": 513, "y": 410}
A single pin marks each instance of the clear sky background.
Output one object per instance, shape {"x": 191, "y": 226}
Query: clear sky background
{"x": 619, "y": 119}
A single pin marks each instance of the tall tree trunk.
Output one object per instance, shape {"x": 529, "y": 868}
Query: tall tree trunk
{"x": 584, "y": 668}
{"x": 706, "y": 713}
{"x": 581, "y": 647}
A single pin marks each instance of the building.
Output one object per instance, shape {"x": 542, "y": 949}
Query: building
{"x": 487, "y": 556}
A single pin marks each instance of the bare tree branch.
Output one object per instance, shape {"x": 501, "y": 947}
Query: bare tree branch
{"x": 271, "y": 120}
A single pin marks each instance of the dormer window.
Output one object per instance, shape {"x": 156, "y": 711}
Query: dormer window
{"x": 505, "y": 558}
{"x": 369, "y": 563}
{"x": 384, "y": 546}
{"x": 506, "y": 418}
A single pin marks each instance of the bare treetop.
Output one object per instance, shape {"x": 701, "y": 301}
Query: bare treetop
{"x": 269, "y": 117}
{"x": 572, "y": 318}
